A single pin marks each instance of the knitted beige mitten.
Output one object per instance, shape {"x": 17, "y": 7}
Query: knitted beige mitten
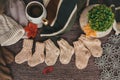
{"x": 82, "y": 55}
{"x": 26, "y": 52}
{"x": 38, "y": 56}
{"x": 52, "y": 53}
{"x": 66, "y": 51}
{"x": 94, "y": 45}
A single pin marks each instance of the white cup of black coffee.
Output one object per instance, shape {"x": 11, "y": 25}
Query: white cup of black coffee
{"x": 36, "y": 13}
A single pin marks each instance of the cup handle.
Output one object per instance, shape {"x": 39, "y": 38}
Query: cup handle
{"x": 45, "y": 21}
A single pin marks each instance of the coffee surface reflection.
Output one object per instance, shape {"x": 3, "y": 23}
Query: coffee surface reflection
{"x": 35, "y": 10}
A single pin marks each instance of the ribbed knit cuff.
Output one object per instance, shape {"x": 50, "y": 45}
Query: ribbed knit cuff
{"x": 40, "y": 46}
{"x": 83, "y": 37}
{"x": 12, "y": 36}
{"x": 28, "y": 43}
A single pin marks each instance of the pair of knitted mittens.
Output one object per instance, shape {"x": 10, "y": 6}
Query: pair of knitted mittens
{"x": 6, "y": 57}
{"x": 64, "y": 52}
{"x": 26, "y": 53}
{"x": 84, "y": 48}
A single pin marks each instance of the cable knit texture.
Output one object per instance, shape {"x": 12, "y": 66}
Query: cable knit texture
{"x": 26, "y": 52}
{"x": 94, "y": 45}
{"x": 38, "y": 55}
{"x": 52, "y": 53}
{"x": 82, "y": 55}
{"x": 66, "y": 51}
{"x": 10, "y": 31}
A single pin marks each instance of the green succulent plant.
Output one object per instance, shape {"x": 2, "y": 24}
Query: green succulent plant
{"x": 100, "y": 18}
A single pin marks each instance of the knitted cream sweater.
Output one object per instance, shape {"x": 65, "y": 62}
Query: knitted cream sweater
{"x": 10, "y": 31}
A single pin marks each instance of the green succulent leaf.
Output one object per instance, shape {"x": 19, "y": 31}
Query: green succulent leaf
{"x": 100, "y": 18}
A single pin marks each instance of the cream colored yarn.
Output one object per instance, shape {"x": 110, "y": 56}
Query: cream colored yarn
{"x": 82, "y": 55}
{"x": 66, "y": 51}
{"x": 26, "y": 52}
{"x": 10, "y": 31}
{"x": 94, "y": 45}
{"x": 38, "y": 56}
{"x": 52, "y": 53}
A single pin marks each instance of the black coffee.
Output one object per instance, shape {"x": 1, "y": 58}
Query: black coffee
{"x": 34, "y": 10}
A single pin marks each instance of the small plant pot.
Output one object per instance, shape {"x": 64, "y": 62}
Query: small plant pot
{"x": 84, "y": 20}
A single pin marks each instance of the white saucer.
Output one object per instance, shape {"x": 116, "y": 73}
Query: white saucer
{"x": 84, "y": 20}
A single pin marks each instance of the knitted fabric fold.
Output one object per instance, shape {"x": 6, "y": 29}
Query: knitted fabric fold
{"x": 16, "y": 10}
{"x": 52, "y": 10}
{"x": 10, "y": 31}
{"x": 66, "y": 11}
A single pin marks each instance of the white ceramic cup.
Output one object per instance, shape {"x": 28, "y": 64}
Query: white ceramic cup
{"x": 37, "y": 20}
